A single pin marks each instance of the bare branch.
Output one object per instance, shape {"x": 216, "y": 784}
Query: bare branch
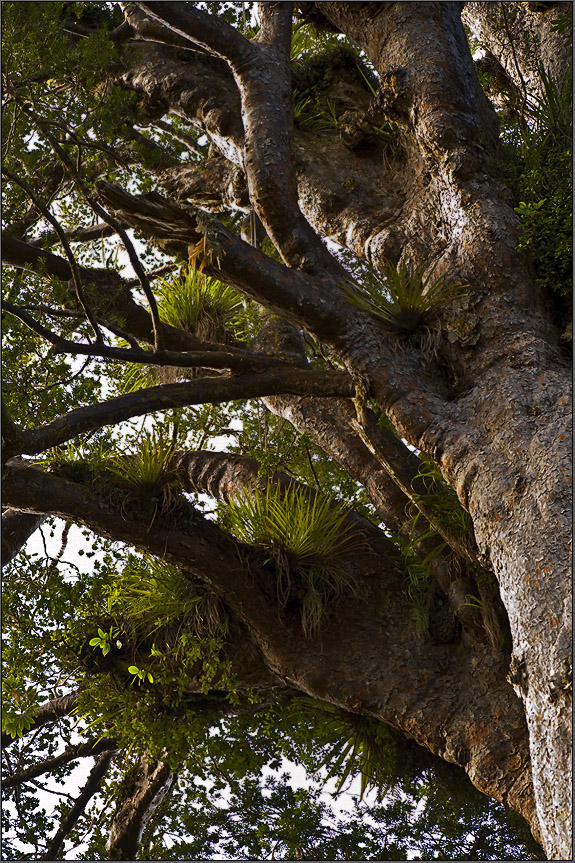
{"x": 211, "y": 390}
{"x": 112, "y": 292}
{"x": 214, "y": 359}
{"x": 84, "y": 234}
{"x": 69, "y": 821}
{"x": 129, "y": 246}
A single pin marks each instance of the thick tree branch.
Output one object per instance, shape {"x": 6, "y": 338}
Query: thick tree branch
{"x": 212, "y": 34}
{"x": 421, "y": 688}
{"x": 17, "y": 528}
{"x": 317, "y": 304}
{"x": 522, "y": 41}
{"x": 72, "y": 753}
{"x": 262, "y": 71}
{"x": 199, "y": 391}
{"x": 48, "y": 712}
{"x": 132, "y": 814}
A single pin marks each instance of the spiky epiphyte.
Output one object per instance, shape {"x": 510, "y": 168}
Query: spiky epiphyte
{"x": 307, "y": 535}
{"x": 203, "y": 306}
{"x": 406, "y": 299}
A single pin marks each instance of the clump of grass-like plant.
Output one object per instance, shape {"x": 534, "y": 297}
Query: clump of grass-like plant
{"x": 153, "y": 595}
{"x": 407, "y": 300}
{"x": 203, "y": 306}
{"x": 307, "y": 537}
{"x": 353, "y": 744}
{"x": 147, "y": 474}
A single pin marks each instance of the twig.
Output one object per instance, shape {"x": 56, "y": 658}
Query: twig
{"x": 62, "y": 237}
{"x": 100, "y": 211}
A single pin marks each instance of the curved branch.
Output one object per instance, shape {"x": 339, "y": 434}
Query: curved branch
{"x": 194, "y": 25}
{"x": 48, "y": 712}
{"x": 200, "y": 391}
{"x": 72, "y": 753}
{"x": 410, "y": 693}
{"x": 262, "y": 71}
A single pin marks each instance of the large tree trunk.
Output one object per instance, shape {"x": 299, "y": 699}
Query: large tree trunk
{"x": 510, "y": 464}
{"x": 146, "y": 790}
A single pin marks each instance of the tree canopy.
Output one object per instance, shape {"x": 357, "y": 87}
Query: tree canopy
{"x": 287, "y": 292}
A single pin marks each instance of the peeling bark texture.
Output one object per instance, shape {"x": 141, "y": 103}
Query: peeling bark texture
{"x": 133, "y": 813}
{"x": 491, "y": 407}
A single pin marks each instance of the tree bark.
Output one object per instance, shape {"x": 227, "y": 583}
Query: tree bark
{"x": 132, "y": 815}
{"x": 522, "y": 40}
{"x": 17, "y": 528}
{"x": 48, "y": 712}
{"x": 494, "y": 414}
{"x": 419, "y": 687}
{"x": 80, "y": 750}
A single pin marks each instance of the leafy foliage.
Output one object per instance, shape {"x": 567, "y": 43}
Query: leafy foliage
{"x": 538, "y": 163}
